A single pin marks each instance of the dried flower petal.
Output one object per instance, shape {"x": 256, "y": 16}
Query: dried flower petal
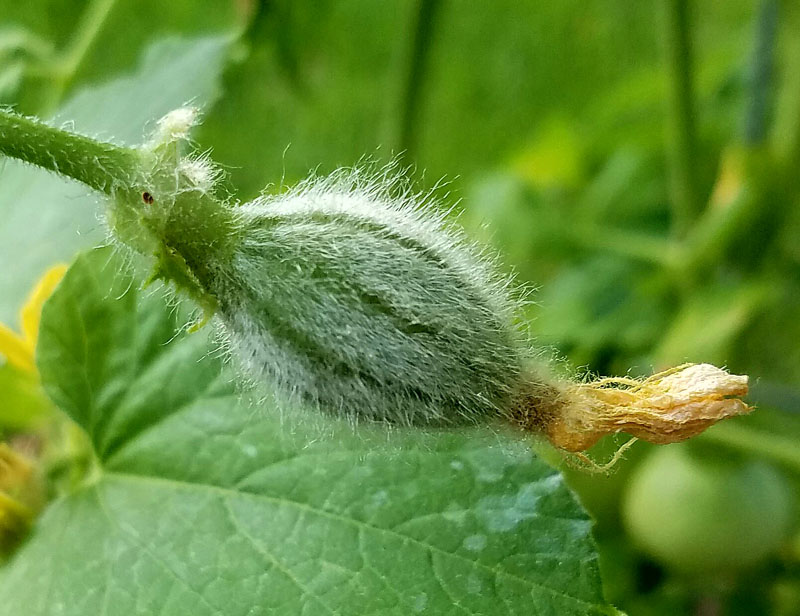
{"x": 667, "y": 407}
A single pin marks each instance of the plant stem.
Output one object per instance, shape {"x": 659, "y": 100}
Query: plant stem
{"x": 683, "y": 153}
{"x": 761, "y": 69}
{"x": 786, "y": 132}
{"x": 103, "y": 166}
{"x": 718, "y": 228}
{"x": 423, "y": 27}
{"x": 69, "y": 60}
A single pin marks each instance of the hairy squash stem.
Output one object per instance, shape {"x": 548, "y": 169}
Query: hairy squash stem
{"x": 102, "y": 166}
{"x": 350, "y": 293}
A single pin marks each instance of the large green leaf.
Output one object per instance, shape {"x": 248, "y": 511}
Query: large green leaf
{"x": 44, "y": 218}
{"x": 208, "y": 501}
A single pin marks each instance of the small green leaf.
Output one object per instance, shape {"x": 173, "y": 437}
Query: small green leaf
{"x": 208, "y": 501}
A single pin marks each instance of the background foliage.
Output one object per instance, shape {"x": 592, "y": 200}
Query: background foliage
{"x": 648, "y": 190}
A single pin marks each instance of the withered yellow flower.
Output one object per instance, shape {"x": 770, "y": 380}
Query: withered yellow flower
{"x": 665, "y": 408}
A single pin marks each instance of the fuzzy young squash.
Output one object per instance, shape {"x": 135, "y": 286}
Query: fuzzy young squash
{"x": 356, "y": 296}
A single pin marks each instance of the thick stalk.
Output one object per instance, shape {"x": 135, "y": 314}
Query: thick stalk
{"x": 417, "y": 64}
{"x": 759, "y": 105}
{"x": 683, "y": 152}
{"x": 102, "y": 166}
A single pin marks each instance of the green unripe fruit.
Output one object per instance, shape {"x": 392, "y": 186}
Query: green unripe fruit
{"x": 366, "y": 306}
{"x": 698, "y": 515}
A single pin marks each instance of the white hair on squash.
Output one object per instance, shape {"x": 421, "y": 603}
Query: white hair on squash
{"x": 355, "y": 294}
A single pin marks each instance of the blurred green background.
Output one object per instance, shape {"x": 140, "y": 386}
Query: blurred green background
{"x": 634, "y": 163}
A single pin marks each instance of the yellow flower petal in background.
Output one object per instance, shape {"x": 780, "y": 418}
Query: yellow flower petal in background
{"x": 21, "y": 489}
{"x": 15, "y": 350}
{"x": 32, "y": 310}
{"x": 731, "y": 179}
{"x": 19, "y": 349}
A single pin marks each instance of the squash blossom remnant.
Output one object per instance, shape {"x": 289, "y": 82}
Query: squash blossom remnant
{"x": 665, "y": 408}
{"x": 350, "y": 293}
